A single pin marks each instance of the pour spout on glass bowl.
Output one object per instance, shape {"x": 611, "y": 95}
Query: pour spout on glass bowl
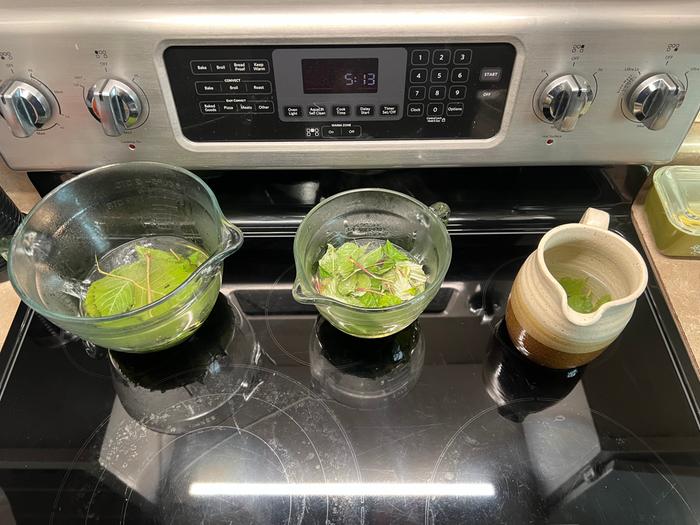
{"x": 231, "y": 241}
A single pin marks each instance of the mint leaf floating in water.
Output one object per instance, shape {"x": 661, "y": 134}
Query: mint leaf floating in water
{"x": 370, "y": 275}
{"x": 153, "y": 275}
{"x": 579, "y": 295}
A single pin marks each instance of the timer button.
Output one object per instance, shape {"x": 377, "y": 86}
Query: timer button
{"x": 389, "y": 110}
{"x": 365, "y": 111}
{"x": 420, "y": 57}
{"x": 419, "y": 76}
{"x": 441, "y": 56}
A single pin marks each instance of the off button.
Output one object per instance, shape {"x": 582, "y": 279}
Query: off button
{"x": 352, "y": 132}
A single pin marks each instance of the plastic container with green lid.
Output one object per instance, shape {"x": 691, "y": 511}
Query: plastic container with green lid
{"x": 673, "y": 209}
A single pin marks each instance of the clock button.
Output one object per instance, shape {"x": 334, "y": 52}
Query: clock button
{"x": 415, "y": 110}
{"x": 365, "y": 111}
{"x": 419, "y": 76}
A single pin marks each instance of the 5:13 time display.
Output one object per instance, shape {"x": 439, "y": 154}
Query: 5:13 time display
{"x": 340, "y": 75}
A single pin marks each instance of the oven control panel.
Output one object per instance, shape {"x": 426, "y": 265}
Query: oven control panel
{"x": 329, "y": 93}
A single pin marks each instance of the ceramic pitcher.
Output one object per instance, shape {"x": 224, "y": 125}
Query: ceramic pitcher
{"x": 539, "y": 319}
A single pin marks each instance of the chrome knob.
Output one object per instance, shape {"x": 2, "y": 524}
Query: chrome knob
{"x": 24, "y": 107}
{"x": 116, "y": 105}
{"x": 653, "y": 100}
{"x": 564, "y": 100}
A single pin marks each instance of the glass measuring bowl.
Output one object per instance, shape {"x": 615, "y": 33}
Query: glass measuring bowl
{"x": 378, "y": 214}
{"x": 54, "y": 249}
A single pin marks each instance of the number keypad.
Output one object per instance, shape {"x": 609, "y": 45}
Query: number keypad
{"x": 436, "y": 75}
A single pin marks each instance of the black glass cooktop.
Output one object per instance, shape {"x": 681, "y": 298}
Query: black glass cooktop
{"x": 269, "y": 415}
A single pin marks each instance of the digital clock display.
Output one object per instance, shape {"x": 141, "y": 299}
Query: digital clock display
{"x": 340, "y": 75}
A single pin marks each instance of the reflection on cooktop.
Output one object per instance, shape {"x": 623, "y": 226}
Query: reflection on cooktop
{"x": 268, "y": 415}
{"x": 365, "y": 373}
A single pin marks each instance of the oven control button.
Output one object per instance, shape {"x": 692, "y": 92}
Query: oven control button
{"x": 316, "y": 111}
{"x": 329, "y": 132}
{"x": 118, "y": 106}
{"x": 341, "y": 111}
{"x": 388, "y": 110}
{"x": 653, "y": 100}
{"x": 365, "y": 110}
{"x": 25, "y": 107}
{"x": 352, "y": 132}
{"x": 292, "y": 111}
{"x": 564, "y": 100}
{"x": 415, "y": 109}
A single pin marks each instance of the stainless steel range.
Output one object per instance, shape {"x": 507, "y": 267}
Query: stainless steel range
{"x": 333, "y": 84}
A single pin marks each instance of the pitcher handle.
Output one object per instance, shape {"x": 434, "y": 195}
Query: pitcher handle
{"x": 5, "y": 241}
{"x": 596, "y": 218}
{"x": 442, "y": 211}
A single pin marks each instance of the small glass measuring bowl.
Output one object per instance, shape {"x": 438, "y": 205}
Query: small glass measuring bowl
{"x": 54, "y": 249}
{"x": 377, "y": 214}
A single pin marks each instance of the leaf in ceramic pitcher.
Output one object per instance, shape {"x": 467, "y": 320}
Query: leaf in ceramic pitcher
{"x": 574, "y": 286}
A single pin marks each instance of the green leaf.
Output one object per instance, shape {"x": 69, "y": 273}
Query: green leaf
{"x": 371, "y": 258}
{"x": 580, "y": 303}
{"x": 574, "y": 286}
{"x": 393, "y": 253}
{"x": 109, "y": 296}
{"x": 327, "y": 263}
{"x": 154, "y": 275}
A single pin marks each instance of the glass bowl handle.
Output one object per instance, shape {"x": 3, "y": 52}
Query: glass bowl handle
{"x": 442, "y": 211}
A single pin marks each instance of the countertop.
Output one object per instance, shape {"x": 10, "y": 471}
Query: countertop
{"x": 678, "y": 277}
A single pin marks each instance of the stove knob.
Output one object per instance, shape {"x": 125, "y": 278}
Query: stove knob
{"x": 564, "y": 100}
{"x": 654, "y": 99}
{"x": 24, "y": 107}
{"x": 116, "y": 105}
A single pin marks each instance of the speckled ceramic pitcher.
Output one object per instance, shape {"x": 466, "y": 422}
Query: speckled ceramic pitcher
{"x": 539, "y": 319}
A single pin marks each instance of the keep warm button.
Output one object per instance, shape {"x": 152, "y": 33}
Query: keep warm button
{"x": 389, "y": 110}
{"x": 352, "y": 132}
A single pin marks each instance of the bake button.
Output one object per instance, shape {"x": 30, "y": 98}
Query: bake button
{"x": 239, "y": 66}
{"x": 292, "y": 111}
{"x": 438, "y": 75}
{"x": 228, "y": 107}
{"x": 441, "y": 56}
{"x": 437, "y": 92}
{"x": 316, "y": 111}
{"x": 329, "y": 132}
{"x": 420, "y": 57}
{"x": 389, "y": 110}
{"x": 490, "y": 74}
{"x": 365, "y": 111}
{"x": 415, "y": 110}
{"x": 260, "y": 66}
{"x": 264, "y": 87}
{"x": 209, "y": 107}
{"x": 458, "y": 92}
{"x": 463, "y": 57}
{"x": 246, "y": 107}
{"x": 207, "y": 88}
{"x": 416, "y": 93}
{"x": 436, "y": 109}
{"x": 460, "y": 74}
{"x": 219, "y": 67}
{"x": 201, "y": 68}
{"x": 264, "y": 107}
{"x": 352, "y": 131}
{"x": 418, "y": 76}
{"x": 455, "y": 109}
